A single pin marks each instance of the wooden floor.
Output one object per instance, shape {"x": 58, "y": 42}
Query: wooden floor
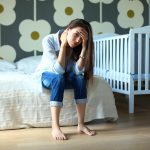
{"x": 130, "y": 132}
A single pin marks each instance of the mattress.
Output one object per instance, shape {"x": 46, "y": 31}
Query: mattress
{"x": 24, "y": 103}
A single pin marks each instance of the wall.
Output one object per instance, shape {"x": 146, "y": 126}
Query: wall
{"x": 23, "y": 23}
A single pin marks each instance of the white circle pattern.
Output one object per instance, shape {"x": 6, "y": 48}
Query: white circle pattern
{"x": 67, "y": 11}
{"x": 32, "y": 33}
{"x": 7, "y": 11}
{"x": 130, "y": 14}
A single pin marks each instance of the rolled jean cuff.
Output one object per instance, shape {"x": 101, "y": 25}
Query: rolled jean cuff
{"x": 56, "y": 104}
{"x": 81, "y": 101}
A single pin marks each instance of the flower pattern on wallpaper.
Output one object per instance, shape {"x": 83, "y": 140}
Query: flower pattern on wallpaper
{"x": 67, "y": 10}
{"x": 99, "y": 28}
{"x": 102, "y": 27}
{"x": 32, "y": 33}
{"x": 8, "y": 53}
{"x": 102, "y": 1}
{"x": 130, "y": 13}
{"x": 7, "y": 17}
{"x": 7, "y": 13}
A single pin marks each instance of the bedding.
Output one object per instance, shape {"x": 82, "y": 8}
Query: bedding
{"x": 24, "y": 103}
{"x": 28, "y": 65}
{"x": 6, "y": 65}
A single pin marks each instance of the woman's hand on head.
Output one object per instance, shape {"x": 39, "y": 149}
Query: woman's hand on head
{"x": 84, "y": 36}
{"x": 64, "y": 37}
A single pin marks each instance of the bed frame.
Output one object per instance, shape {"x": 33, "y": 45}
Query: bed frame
{"x": 124, "y": 62}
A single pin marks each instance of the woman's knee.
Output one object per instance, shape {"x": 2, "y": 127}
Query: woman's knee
{"x": 50, "y": 79}
{"x": 58, "y": 81}
{"x": 60, "y": 78}
{"x": 80, "y": 78}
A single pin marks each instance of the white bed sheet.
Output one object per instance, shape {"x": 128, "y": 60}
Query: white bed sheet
{"x": 24, "y": 104}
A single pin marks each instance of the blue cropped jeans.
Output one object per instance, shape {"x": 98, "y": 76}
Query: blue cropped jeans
{"x": 57, "y": 83}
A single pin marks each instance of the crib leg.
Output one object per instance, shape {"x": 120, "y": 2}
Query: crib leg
{"x": 131, "y": 103}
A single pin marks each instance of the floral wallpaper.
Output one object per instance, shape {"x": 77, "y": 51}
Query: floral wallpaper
{"x": 24, "y": 23}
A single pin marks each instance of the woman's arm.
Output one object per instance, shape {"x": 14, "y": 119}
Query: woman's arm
{"x": 81, "y": 61}
{"x": 50, "y": 59}
{"x": 62, "y": 53}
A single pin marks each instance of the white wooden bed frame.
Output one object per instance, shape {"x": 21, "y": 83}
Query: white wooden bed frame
{"x": 124, "y": 62}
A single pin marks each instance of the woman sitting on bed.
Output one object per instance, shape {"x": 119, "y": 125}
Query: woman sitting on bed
{"x": 67, "y": 62}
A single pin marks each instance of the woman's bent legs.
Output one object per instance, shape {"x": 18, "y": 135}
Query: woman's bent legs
{"x": 56, "y": 131}
{"x": 81, "y": 114}
{"x": 80, "y": 94}
{"x": 56, "y": 84}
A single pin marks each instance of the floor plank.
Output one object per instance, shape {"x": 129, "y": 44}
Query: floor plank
{"x": 130, "y": 132}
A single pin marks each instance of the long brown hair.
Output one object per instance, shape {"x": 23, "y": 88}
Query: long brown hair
{"x": 90, "y": 46}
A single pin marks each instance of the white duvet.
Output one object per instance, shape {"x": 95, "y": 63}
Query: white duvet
{"x": 23, "y": 103}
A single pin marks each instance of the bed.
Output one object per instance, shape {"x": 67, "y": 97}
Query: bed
{"x": 124, "y": 62}
{"x": 24, "y": 103}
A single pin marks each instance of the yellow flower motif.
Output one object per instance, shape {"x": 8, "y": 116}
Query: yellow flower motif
{"x": 102, "y": 1}
{"x": 6, "y": 11}
{"x": 67, "y": 10}
{"x": 8, "y": 53}
{"x": 130, "y": 14}
{"x": 99, "y": 28}
{"x": 32, "y": 33}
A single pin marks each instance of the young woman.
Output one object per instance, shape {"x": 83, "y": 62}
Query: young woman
{"x": 67, "y": 62}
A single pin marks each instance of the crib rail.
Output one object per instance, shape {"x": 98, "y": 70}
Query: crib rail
{"x": 110, "y": 62}
{"x": 140, "y": 60}
{"x": 124, "y": 62}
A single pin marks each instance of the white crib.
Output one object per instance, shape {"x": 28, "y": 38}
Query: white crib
{"x": 124, "y": 62}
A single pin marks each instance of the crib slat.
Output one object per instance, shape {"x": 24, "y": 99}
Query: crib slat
{"x": 121, "y": 61}
{"x": 125, "y": 61}
{"x": 111, "y": 68}
{"x": 98, "y": 58}
{"x": 118, "y": 62}
{"x": 95, "y": 59}
{"x": 132, "y": 54}
{"x": 101, "y": 49}
{"x": 104, "y": 55}
{"x": 139, "y": 60}
{"x": 113, "y": 65}
{"x": 95, "y": 48}
{"x": 147, "y": 71}
{"x": 107, "y": 55}
{"x": 125, "y": 56}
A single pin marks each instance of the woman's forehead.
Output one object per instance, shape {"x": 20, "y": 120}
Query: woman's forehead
{"x": 78, "y": 29}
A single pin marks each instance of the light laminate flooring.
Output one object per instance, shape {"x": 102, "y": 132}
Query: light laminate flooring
{"x": 130, "y": 132}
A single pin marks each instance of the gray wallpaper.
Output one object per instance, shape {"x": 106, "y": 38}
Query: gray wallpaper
{"x": 24, "y": 23}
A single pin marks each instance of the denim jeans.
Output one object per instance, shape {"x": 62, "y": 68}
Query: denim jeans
{"x": 57, "y": 83}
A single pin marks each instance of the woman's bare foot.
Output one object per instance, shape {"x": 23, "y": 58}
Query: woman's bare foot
{"x": 86, "y": 130}
{"x": 58, "y": 134}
